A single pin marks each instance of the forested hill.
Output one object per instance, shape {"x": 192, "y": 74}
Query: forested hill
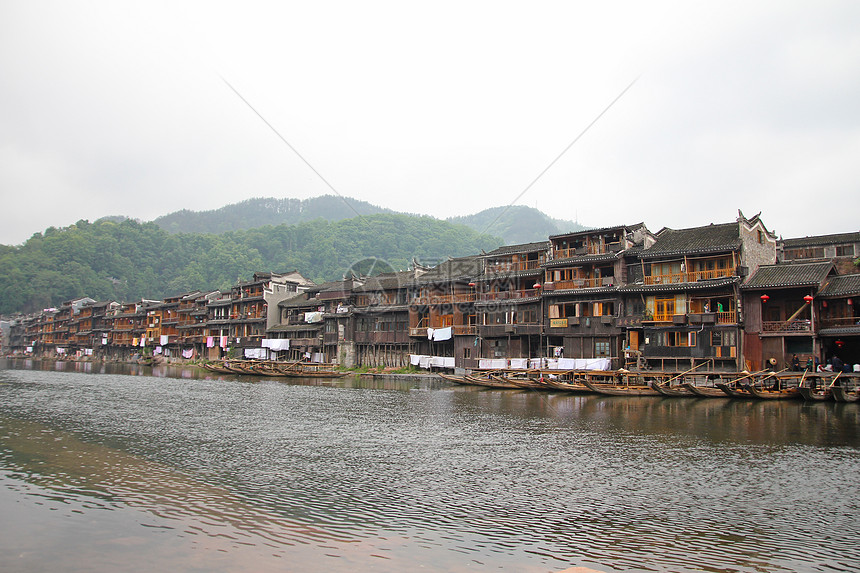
{"x": 517, "y": 224}
{"x": 128, "y": 260}
{"x": 261, "y": 211}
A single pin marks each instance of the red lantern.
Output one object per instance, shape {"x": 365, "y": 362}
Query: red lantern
{"x": 808, "y": 299}
{"x": 473, "y": 285}
{"x": 537, "y": 285}
{"x": 765, "y": 298}
{"x": 840, "y": 343}
{"x": 850, "y": 302}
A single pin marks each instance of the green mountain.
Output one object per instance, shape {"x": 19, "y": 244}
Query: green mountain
{"x": 261, "y": 211}
{"x": 517, "y": 224}
{"x": 129, "y": 260}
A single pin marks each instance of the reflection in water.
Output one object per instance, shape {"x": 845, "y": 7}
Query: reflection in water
{"x": 392, "y": 474}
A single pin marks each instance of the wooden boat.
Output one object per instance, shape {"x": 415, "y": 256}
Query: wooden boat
{"x": 731, "y": 391}
{"x": 455, "y": 379}
{"x": 704, "y": 391}
{"x": 566, "y": 386}
{"x": 619, "y": 389}
{"x": 312, "y": 370}
{"x": 811, "y": 395}
{"x": 216, "y": 367}
{"x": 475, "y": 380}
{"x": 679, "y": 391}
{"x": 490, "y": 381}
{"x": 841, "y": 394}
{"x": 525, "y": 383}
{"x": 765, "y": 394}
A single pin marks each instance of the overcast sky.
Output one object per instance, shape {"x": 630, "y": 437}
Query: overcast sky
{"x": 440, "y": 108}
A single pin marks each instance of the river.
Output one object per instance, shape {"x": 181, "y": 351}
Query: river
{"x": 131, "y": 468}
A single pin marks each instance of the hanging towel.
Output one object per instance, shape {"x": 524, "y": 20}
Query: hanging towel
{"x": 164, "y": 339}
{"x": 443, "y": 333}
{"x": 210, "y": 342}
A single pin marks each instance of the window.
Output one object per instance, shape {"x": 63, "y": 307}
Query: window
{"x": 604, "y": 308}
{"x": 675, "y": 338}
{"x": 664, "y": 307}
{"x": 844, "y": 250}
{"x": 723, "y": 338}
{"x": 601, "y": 348}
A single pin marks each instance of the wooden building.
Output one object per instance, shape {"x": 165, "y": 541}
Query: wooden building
{"x": 688, "y": 286}
{"x": 780, "y": 320}
{"x": 581, "y": 297}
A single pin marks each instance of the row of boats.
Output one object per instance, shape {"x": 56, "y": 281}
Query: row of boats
{"x": 273, "y": 368}
{"x": 761, "y": 385}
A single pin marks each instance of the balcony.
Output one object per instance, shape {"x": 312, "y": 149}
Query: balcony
{"x": 465, "y": 329}
{"x": 689, "y": 277}
{"x": 843, "y": 322}
{"x": 509, "y": 267}
{"x": 787, "y": 326}
{"x": 444, "y": 298}
{"x": 592, "y": 249}
{"x": 508, "y": 295}
{"x": 584, "y": 283}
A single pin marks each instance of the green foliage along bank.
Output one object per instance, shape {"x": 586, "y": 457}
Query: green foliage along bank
{"x": 128, "y": 260}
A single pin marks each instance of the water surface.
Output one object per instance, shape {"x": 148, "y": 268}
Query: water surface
{"x": 118, "y": 468}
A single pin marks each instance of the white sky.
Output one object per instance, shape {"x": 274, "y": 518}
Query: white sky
{"x": 440, "y": 108}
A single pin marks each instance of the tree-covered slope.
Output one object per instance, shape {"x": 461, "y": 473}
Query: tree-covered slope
{"x": 128, "y": 260}
{"x": 259, "y": 212}
{"x": 516, "y": 224}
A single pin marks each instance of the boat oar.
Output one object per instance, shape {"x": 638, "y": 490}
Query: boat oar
{"x": 835, "y": 378}
{"x": 747, "y": 376}
{"x": 666, "y": 383}
{"x": 770, "y": 375}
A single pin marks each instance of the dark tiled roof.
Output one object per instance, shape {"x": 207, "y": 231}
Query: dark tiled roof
{"x": 709, "y": 239}
{"x": 507, "y": 301}
{"x": 299, "y": 301}
{"x": 840, "y": 331}
{"x": 523, "y": 248}
{"x": 841, "y": 285}
{"x": 502, "y": 275}
{"x": 789, "y": 275}
{"x": 582, "y": 291}
{"x": 675, "y": 287}
{"x": 386, "y": 281}
{"x": 463, "y": 268}
{"x": 626, "y": 228}
{"x": 835, "y": 239}
{"x": 584, "y": 259}
{"x": 296, "y": 327}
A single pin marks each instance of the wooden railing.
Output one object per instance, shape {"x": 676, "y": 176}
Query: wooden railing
{"x": 508, "y": 294}
{"x": 840, "y": 322}
{"x": 445, "y": 298}
{"x": 464, "y": 329}
{"x": 595, "y": 249}
{"x": 513, "y": 267}
{"x": 786, "y": 326}
{"x": 727, "y": 317}
{"x": 688, "y": 277}
{"x": 584, "y": 283}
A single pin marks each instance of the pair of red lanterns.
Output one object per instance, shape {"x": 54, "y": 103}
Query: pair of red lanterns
{"x": 807, "y": 298}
